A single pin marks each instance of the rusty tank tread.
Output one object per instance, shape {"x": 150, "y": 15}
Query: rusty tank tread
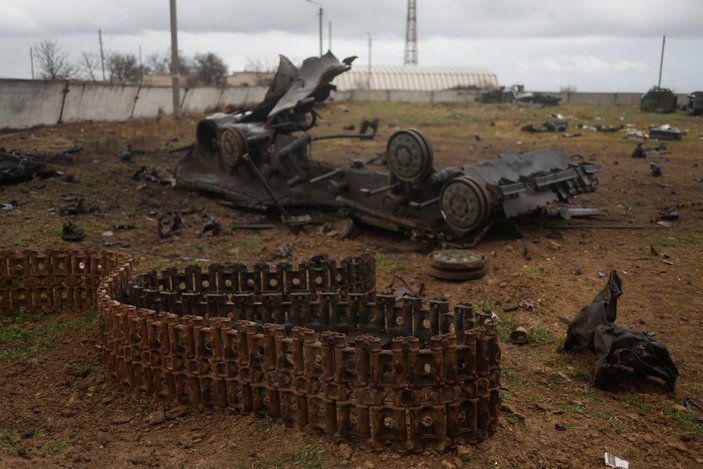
{"x": 312, "y": 345}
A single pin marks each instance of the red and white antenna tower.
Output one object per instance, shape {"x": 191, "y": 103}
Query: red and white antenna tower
{"x": 411, "y": 35}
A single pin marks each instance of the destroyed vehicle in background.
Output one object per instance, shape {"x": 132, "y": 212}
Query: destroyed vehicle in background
{"x": 260, "y": 159}
{"x": 497, "y": 95}
{"x": 694, "y": 104}
{"x": 537, "y": 98}
{"x": 657, "y": 99}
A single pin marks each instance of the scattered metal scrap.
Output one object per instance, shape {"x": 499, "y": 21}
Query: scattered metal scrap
{"x": 665, "y": 132}
{"x": 608, "y": 128}
{"x": 16, "y": 168}
{"x": 617, "y": 348}
{"x": 546, "y": 127}
{"x": 260, "y": 158}
{"x": 71, "y": 232}
{"x": 643, "y": 152}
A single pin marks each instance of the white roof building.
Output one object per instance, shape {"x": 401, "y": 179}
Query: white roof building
{"x": 415, "y": 78}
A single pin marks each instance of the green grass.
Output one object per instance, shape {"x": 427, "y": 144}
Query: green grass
{"x": 516, "y": 420}
{"x": 616, "y": 425}
{"x": 511, "y": 376}
{"x": 636, "y": 401}
{"x": 249, "y": 245}
{"x": 27, "y": 334}
{"x": 389, "y": 264}
{"x": 8, "y": 441}
{"x": 659, "y": 240}
{"x": 685, "y": 421}
{"x": 533, "y": 270}
{"x": 505, "y": 327}
{"x": 572, "y": 407}
{"x": 53, "y": 448}
{"x": 308, "y": 456}
{"x": 539, "y": 336}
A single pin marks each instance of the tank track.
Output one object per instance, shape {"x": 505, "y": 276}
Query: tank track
{"x": 311, "y": 345}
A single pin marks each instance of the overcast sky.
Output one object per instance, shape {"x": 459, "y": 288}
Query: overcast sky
{"x": 593, "y": 45}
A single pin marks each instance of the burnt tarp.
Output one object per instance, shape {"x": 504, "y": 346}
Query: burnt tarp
{"x": 16, "y": 168}
{"x": 617, "y": 348}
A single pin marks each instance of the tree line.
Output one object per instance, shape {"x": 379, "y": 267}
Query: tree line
{"x": 51, "y": 62}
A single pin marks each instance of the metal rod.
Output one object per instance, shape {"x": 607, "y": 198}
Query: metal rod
{"x": 175, "y": 69}
{"x": 379, "y": 190}
{"x": 285, "y": 217}
{"x": 661, "y": 62}
{"x": 328, "y": 137}
{"x": 31, "y": 61}
{"x": 326, "y": 176}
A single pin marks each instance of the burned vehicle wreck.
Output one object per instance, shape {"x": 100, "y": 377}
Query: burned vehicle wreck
{"x": 260, "y": 158}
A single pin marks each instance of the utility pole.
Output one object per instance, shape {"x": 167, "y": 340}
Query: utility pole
{"x": 661, "y": 62}
{"x": 329, "y": 31}
{"x": 102, "y": 54}
{"x": 31, "y": 61}
{"x": 175, "y": 69}
{"x": 368, "y": 75}
{"x": 320, "y": 13}
{"x": 141, "y": 67}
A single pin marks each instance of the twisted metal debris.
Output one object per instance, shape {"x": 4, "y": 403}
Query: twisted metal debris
{"x": 312, "y": 345}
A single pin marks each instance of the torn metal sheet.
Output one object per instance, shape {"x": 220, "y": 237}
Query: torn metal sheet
{"x": 15, "y": 168}
{"x": 617, "y": 348}
{"x": 261, "y": 159}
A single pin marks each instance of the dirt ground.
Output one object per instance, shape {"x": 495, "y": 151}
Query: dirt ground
{"x": 59, "y": 409}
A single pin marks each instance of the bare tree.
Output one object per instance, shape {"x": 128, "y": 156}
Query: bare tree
{"x": 157, "y": 64}
{"x": 261, "y": 68}
{"x": 160, "y": 64}
{"x": 209, "y": 69}
{"x": 88, "y": 65}
{"x": 52, "y": 61}
{"x": 123, "y": 68}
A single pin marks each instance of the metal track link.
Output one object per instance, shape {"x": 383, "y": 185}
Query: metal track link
{"x": 312, "y": 345}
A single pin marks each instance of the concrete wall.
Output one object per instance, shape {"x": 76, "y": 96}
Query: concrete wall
{"x": 24, "y": 104}
{"x": 153, "y": 100}
{"x": 27, "y": 103}
{"x": 201, "y": 99}
{"x": 86, "y": 101}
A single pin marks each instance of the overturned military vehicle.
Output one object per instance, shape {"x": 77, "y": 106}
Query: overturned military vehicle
{"x": 259, "y": 158}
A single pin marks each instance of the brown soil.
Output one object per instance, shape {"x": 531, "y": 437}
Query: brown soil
{"x": 60, "y": 409}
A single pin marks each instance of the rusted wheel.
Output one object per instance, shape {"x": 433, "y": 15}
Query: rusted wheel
{"x": 232, "y": 146}
{"x": 456, "y": 275}
{"x": 465, "y": 204}
{"x": 409, "y": 155}
{"x": 457, "y": 259}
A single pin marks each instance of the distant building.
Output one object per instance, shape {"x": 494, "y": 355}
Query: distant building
{"x": 415, "y": 78}
{"x": 250, "y": 79}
